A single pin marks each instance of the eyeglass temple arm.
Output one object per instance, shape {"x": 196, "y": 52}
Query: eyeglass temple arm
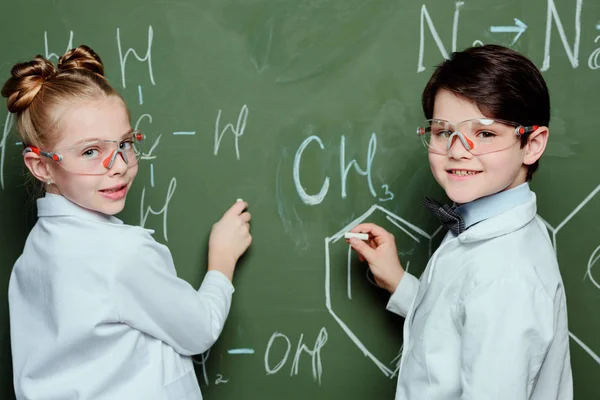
{"x": 522, "y": 130}
{"x": 36, "y": 150}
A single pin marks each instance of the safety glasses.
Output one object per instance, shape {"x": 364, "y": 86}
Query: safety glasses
{"x": 95, "y": 157}
{"x": 478, "y": 135}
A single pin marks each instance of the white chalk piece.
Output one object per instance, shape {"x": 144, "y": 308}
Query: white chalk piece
{"x": 361, "y": 236}
{"x": 238, "y": 200}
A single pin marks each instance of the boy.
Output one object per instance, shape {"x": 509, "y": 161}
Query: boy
{"x": 488, "y": 318}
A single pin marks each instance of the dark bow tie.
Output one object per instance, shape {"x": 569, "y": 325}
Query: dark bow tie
{"x": 451, "y": 219}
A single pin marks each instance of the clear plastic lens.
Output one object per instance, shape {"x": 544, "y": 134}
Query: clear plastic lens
{"x": 482, "y": 135}
{"x": 89, "y": 157}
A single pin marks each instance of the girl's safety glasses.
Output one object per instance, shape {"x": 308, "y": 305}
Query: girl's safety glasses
{"x": 95, "y": 157}
{"x": 479, "y": 135}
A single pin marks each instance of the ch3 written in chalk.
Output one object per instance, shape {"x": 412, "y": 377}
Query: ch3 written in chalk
{"x": 361, "y": 236}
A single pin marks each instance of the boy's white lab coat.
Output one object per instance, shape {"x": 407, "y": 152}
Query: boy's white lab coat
{"x": 488, "y": 317}
{"x": 97, "y": 311}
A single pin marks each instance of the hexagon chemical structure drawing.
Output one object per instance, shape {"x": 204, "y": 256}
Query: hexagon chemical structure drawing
{"x": 591, "y": 261}
{"x": 416, "y": 234}
{"x": 412, "y": 231}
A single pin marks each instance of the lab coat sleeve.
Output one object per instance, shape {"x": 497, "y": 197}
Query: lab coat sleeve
{"x": 403, "y": 296}
{"x": 507, "y": 328}
{"x": 151, "y": 298}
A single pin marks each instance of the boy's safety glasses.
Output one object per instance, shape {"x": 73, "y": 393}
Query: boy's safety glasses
{"x": 479, "y": 136}
{"x": 95, "y": 157}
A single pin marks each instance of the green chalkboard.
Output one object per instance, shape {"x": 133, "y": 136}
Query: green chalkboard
{"x": 307, "y": 110}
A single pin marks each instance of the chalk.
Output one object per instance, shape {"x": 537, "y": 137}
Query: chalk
{"x": 238, "y": 200}
{"x": 361, "y": 236}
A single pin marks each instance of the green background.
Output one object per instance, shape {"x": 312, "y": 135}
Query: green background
{"x": 348, "y": 72}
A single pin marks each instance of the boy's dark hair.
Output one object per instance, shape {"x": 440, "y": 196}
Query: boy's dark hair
{"x": 502, "y": 83}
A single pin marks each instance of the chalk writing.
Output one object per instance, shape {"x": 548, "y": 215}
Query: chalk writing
{"x": 345, "y": 167}
{"x": 594, "y": 59}
{"x": 147, "y": 58}
{"x": 49, "y": 55}
{"x": 426, "y": 18}
{"x": 572, "y": 53}
{"x": 306, "y": 198}
{"x": 237, "y": 130}
{"x": 144, "y": 211}
{"x": 314, "y": 353}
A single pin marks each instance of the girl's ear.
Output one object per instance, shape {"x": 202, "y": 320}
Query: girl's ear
{"x": 536, "y": 144}
{"x": 38, "y": 167}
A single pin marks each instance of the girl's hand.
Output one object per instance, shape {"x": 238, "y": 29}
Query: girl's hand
{"x": 380, "y": 253}
{"x": 229, "y": 239}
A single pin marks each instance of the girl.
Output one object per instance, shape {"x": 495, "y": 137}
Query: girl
{"x": 96, "y": 308}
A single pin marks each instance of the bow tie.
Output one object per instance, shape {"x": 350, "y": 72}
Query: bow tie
{"x": 451, "y": 219}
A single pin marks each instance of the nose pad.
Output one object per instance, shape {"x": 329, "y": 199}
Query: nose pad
{"x": 110, "y": 160}
{"x": 466, "y": 142}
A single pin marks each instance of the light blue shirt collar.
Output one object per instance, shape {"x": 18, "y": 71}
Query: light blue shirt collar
{"x": 490, "y": 206}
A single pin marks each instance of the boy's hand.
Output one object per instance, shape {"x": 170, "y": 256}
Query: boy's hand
{"x": 229, "y": 239}
{"x": 381, "y": 254}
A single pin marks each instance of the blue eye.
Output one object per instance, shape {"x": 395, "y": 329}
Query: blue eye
{"x": 90, "y": 153}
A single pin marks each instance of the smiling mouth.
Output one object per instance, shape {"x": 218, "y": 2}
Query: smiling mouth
{"x": 462, "y": 172}
{"x": 115, "y": 189}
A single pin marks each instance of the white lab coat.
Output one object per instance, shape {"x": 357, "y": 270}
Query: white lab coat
{"x": 98, "y": 312}
{"x": 487, "y": 319}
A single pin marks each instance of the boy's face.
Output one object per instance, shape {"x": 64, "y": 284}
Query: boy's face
{"x": 462, "y": 175}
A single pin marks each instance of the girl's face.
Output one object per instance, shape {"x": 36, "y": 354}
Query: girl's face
{"x": 102, "y": 119}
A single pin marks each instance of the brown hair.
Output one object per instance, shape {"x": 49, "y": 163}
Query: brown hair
{"x": 37, "y": 91}
{"x": 502, "y": 83}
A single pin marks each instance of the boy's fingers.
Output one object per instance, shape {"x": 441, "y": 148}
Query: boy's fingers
{"x": 372, "y": 244}
{"x": 372, "y": 229}
{"x": 362, "y": 248}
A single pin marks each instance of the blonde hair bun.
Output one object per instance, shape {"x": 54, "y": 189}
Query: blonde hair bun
{"x": 28, "y": 78}
{"x": 81, "y": 57}
{"x": 26, "y": 81}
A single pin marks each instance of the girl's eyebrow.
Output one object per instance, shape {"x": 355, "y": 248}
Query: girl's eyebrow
{"x": 128, "y": 133}
{"x": 95, "y": 139}
{"x": 86, "y": 140}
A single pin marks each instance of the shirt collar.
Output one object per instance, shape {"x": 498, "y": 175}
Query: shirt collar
{"x": 54, "y": 205}
{"x": 490, "y": 206}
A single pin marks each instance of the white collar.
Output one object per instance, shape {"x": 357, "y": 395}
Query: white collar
{"x": 55, "y": 205}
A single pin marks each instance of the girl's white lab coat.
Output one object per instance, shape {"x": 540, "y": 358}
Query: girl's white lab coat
{"x": 488, "y": 317}
{"x": 97, "y": 311}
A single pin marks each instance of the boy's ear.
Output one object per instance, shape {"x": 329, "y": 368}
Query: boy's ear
{"x": 38, "y": 168}
{"x": 536, "y": 144}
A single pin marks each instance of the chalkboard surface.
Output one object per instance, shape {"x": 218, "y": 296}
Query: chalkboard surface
{"x": 307, "y": 110}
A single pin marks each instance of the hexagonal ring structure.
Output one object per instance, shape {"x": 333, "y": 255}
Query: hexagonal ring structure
{"x": 410, "y": 230}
